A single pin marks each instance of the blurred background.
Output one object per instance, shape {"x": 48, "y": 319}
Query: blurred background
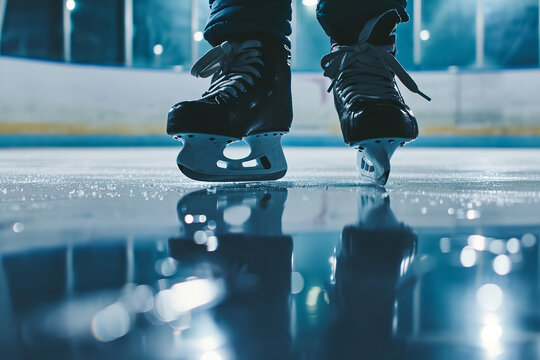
{"x": 107, "y": 71}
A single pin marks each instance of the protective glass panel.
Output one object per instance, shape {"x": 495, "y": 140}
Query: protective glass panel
{"x": 448, "y": 33}
{"x": 203, "y": 12}
{"x": 97, "y": 32}
{"x": 311, "y": 43}
{"x": 162, "y": 33}
{"x": 33, "y": 28}
{"x": 511, "y": 33}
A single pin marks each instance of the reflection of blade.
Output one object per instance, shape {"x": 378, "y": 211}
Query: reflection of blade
{"x": 233, "y": 210}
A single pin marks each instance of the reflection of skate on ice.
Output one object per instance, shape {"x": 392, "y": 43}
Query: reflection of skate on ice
{"x": 374, "y": 117}
{"x": 236, "y": 234}
{"x": 249, "y": 100}
{"x": 371, "y": 259}
{"x": 374, "y": 211}
{"x": 249, "y": 211}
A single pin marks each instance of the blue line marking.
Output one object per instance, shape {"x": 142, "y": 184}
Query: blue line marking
{"x": 14, "y": 141}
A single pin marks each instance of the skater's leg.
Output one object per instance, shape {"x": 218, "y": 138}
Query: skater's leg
{"x": 249, "y": 98}
{"x": 229, "y": 18}
{"x": 342, "y": 20}
{"x": 373, "y": 115}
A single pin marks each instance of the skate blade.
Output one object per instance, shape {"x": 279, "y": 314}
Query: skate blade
{"x": 203, "y": 158}
{"x": 373, "y": 159}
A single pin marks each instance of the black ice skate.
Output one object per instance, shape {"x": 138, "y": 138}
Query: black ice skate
{"x": 374, "y": 117}
{"x": 249, "y": 99}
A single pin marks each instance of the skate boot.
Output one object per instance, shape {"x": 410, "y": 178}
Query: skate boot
{"x": 374, "y": 117}
{"x": 249, "y": 100}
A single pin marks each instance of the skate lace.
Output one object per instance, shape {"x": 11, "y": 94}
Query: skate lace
{"x": 233, "y": 65}
{"x": 366, "y": 70}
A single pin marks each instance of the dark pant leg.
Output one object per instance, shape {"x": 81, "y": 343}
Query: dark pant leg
{"x": 343, "y": 20}
{"x": 229, "y": 18}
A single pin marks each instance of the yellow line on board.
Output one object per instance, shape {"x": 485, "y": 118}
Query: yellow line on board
{"x": 154, "y": 129}
{"x": 79, "y": 129}
{"x": 530, "y": 130}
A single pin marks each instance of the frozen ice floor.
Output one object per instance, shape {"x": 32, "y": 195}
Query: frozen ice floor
{"x": 113, "y": 254}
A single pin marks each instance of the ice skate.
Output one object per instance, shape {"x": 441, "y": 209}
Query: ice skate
{"x": 373, "y": 115}
{"x": 249, "y": 100}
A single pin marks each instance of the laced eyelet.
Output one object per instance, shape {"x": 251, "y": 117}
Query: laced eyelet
{"x": 234, "y": 66}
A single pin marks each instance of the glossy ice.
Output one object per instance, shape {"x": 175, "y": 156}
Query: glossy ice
{"x": 112, "y": 253}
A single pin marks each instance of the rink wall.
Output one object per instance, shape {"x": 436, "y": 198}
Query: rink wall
{"x": 39, "y": 97}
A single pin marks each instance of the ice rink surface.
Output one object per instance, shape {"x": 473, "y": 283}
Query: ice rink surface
{"x": 111, "y": 253}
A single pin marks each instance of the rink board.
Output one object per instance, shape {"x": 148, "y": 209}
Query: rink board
{"x": 38, "y": 97}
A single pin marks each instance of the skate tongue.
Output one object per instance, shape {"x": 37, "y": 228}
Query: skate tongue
{"x": 383, "y": 31}
{"x": 386, "y": 22}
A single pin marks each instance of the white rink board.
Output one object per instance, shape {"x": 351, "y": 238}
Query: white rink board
{"x": 48, "y": 97}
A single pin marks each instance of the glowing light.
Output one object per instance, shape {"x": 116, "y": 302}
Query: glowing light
{"x": 473, "y": 214}
{"x": 477, "y": 242}
{"x": 70, "y": 5}
{"x": 163, "y": 305}
{"x": 189, "y": 295}
{"x": 167, "y": 266}
{"x": 493, "y": 349}
{"x": 313, "y": 296}
{"x": 496, "y": 246}
{"x": 188, "y": 219}
{"x": 212, "y": 243}
{"x": 528, "y": 240}
{"x": 445, "y": 245}
{"x": 513, "y": 246}
{"x": 297, "y": 283}
{"x": 18, "y": 227}
{"x": 490, "y": 335}
{"x": 158, "y": 49}
{"x": 489, "y": 297}
{"x": 425, "y": 35}
{"x": 212, "y": 225}
{"x": 111, "y": 323}
{"x": 490, "y": 318}
{"x": 467, "y": 256}
{"x": 200, "y": 237}
{"x": 309, "y": 2}
{"x": 211, "y": 355}
{"x": 140, "y": 300}
{"x": 209, "y": 342}
{"x": 491, "y": 332}
{"x": 502, "y": 265}
{"x": 202, "y": 218}
{"x": 237, "y": 215}
{"x": 198, "y": 36}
